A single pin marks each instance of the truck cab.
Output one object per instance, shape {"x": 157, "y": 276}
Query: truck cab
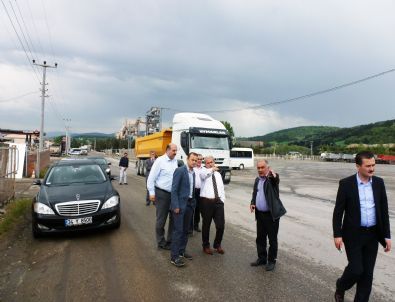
{"x": 200, "y": 133}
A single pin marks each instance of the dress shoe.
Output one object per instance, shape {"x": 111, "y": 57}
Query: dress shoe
{"x": 220, "y": 250}
{"x": 178, "y": 262}
{"x": 258, "y": 262}
{"x": 208, "y": 251}
{"x": 166, "y": 247}
{"x": 270, "y": 266}
{"x": 186, "y": 256}
{"x": 339, "y": 295}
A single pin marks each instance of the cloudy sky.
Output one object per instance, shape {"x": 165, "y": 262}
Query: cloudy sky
{"x": 118, "y": 58}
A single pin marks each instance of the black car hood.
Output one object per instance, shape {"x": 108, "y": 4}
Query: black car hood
{"x": 55, "y": 194}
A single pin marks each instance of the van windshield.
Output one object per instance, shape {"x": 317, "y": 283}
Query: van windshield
{"x": 210, "y": 142}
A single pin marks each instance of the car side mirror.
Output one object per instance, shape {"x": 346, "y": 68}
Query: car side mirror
{"x": 37, "y": 182}
{"x": 108, "y": 171}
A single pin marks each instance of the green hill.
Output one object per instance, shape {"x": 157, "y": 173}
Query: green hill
{"x": 295, "y": 134}
{"x": 330, "y": 138}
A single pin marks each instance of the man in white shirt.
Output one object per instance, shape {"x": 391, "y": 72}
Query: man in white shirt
{"x": 159, "y": 184}
{"x": 196, "y": 215}
{"x": 212, "y": 198}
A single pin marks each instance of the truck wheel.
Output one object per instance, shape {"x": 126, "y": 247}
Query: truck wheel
{"x": 138, "y": 167}
{"x": 142, "y": 169}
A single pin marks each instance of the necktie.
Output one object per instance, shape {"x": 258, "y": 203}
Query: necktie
{"x": 215, "y": 186}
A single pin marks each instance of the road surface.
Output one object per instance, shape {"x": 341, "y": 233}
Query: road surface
{"x": 125, "y": 264}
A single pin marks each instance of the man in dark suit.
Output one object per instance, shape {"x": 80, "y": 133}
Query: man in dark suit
{"x": 360, "y": 221}
{"x": 182, "y": 207}
{"x": 268, "y": 210}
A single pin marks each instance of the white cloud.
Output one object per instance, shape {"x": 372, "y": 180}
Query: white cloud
{"x": 117, "y": 59}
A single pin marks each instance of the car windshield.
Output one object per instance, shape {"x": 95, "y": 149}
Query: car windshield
{"x": 71, "y": 174}
{"x": 100, "y": 161}
{"x": 209, "y": 142}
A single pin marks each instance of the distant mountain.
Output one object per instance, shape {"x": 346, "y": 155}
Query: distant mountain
{"x": 375, "y": 133}
{"x": 93, "y": 134}
{"x": 53, "y": 134}
{"x": 295, "y": 134}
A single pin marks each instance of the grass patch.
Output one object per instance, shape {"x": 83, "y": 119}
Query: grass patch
{"x": 14, "y": 211}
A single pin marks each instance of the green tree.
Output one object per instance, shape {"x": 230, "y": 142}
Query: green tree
{"x": 57, "y": 140}
{"x": 229, "y": 127}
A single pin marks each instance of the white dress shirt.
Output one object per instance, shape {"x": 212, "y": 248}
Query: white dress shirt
{"x": 198, "y": 181}
{"x": 207, "y": 189}
{"x": 161, "y": 174}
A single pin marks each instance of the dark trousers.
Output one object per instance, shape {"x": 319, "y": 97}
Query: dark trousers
{"x": 196, "y": 214}
{"x": 162, "y": 203}
{"x": 181, "y": 224}
{"x": 212, "y": 210}
{"x": 361, "y": 255}
{"x": 266, "y": 228}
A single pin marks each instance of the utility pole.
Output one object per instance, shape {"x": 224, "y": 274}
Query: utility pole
{"x": 67, "y": 127}
{"x": 311, "y": 148}
{"x": 43, "y": 96}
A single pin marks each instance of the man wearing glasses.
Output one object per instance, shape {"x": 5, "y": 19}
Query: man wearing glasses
{"x": 212, "y": 197}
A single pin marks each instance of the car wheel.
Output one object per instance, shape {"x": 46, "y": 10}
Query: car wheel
{"x": 118, "y": 224}
{"x": 36, "y": 233}
{"x": 241, "y": 167}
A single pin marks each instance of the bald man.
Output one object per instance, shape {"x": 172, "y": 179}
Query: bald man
{"x": 268, "y": 209}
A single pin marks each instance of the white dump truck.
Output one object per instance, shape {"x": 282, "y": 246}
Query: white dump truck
{"x": 191, "y": 132}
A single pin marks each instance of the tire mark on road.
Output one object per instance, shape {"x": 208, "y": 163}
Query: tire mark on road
{"x": 61, "y": 287}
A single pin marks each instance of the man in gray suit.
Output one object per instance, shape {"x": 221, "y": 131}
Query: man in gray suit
{"x": 182, "y": 207}
{"x": 148, "y": 165}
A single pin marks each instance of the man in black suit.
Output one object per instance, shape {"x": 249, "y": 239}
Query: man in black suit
{"x": 268, "y": 210}
{"x": 360, "y": 221}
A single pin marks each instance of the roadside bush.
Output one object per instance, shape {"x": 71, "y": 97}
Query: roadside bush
{"x": 13, "y": 212}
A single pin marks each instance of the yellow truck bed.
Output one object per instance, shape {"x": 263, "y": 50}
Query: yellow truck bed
{"x": 154, "y": 142}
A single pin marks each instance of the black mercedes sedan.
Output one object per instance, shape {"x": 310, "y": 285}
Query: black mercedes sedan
{"x": 75, "y": 195}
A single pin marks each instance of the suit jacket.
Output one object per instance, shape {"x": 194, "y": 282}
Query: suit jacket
{"x": 347, "y": 203}
{"x": 180, "y": 189}
{"x": 272, "y": 195}
{"x": 148, "y": 165}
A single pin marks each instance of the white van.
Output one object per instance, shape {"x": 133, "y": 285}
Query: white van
{"x": 241, "y": 158}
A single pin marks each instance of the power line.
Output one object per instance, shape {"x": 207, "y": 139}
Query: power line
{"x": 309, "y": 95}
{"x": 26, "y": 29}
{"x": 36, "y": 31}
{"x": 17, "y": 97}
{"x": 21, "y": 43}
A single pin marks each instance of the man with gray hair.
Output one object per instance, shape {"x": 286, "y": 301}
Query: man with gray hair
{"x": 212, "y": 198}
{"x": 159, "y": 185}
{"x": 268, "y": 210}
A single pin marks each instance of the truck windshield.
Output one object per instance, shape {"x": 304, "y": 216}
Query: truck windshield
{"x": 209, "y": 142}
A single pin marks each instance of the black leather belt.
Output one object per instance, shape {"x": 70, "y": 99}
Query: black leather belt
{"x": 162, "y": 190}
{"x": 368, "y": 229}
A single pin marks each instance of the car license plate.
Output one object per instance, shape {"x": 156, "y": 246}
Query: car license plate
{"x": 78, "y": 221}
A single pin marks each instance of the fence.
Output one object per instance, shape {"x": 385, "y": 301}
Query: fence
{"x": 8, "y": 169}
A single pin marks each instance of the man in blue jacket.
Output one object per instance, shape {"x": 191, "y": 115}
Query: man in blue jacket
{"x": 182, "y": 207}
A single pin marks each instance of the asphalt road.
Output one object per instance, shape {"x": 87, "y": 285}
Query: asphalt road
{"x": 125, "y": 265}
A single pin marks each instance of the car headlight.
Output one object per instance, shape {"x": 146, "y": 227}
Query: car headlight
{"x": 41, "y": 208}
{"x": 111, "y": 202}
